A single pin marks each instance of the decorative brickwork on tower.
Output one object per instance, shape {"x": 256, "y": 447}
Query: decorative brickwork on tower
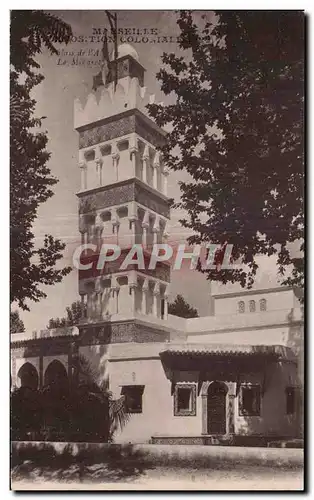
{"x": 123, "y": 197}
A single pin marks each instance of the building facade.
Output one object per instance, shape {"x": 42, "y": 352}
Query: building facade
{"x": 237, "y": 373}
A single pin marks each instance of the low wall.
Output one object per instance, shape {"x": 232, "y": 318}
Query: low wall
{"x": 163, "y": 455}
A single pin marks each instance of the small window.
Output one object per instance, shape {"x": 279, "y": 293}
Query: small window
{"x": 90, "y": 219}
{"x": 106, "y": 283}
{"x": 185, "y": 400}
{"x": 252, "y": 306}
{"x": 123, "y": 145}
{"x": 262, "y": 305}
{"x": 106, "y": 216}
{"x": 241, "y": 306}
{"x": 90, "y": 155}
{"x": 133, "y": 398}
{"x": 122, "y": 280}
{"x": 290, "y": 400}
{"x": 106, "y": 150}
{"x": 122, "y": 212}
{"x": 250, "y": 400}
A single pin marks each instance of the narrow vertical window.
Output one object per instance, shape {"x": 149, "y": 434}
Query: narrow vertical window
{"x": 250, "y": 400}
{"x": 252, "y": 306}
{"x": 241, "y": 306}
{"x": 185, "y": 400}
{"x": 262, "y": 305}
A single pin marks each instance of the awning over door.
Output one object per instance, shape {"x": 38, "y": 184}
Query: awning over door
{"x": 224, "y": 361}
{"x": 224, "y": 357}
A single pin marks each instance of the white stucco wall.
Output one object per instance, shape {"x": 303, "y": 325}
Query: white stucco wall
{"x": 157, "y": 417}
{"x": 276, "y": 301}
{"x": 272, "y": 419}
{"x": 264, "y": 336}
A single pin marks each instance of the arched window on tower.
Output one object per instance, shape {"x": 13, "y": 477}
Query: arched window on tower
{"x": 262, "y": 305}
{"x": 252, "y": 306}
{"x": 241, "y": 306}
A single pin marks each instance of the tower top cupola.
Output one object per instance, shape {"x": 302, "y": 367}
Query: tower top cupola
{"x": 127, "y": 65}
{"x": 125, "y": 49}
{"x": 109, "y": 100}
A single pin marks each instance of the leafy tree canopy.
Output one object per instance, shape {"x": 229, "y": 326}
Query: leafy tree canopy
{"x": 31, "y": 181}
{"x": 181, "y": 308}
{"x": 16, "y": 324}
{"x": 74, "y": 313}
{"x": 237, "y": 129}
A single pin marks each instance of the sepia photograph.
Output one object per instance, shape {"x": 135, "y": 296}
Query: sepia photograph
{"x": 157, "y": 243}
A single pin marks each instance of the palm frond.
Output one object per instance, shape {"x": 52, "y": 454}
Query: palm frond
{"x": 118, "y": 415}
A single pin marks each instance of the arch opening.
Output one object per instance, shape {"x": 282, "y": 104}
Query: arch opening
{"x": 56, "y": 376}
{"x": 28, "y": 376}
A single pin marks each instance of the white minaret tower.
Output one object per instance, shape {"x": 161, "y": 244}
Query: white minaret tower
{"x": 123, "y": 196}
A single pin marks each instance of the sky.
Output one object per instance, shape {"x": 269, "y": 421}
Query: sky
{"x": 150, "y": 34}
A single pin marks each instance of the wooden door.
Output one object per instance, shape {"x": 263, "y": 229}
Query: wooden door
{"x": 216, "y": 408}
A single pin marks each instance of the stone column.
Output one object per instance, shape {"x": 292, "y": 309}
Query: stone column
{"x": 166, "y": 295}
{"x": 156, "y": 166}
{"x": 133, "y": 148}
{"x": 231, "y": 407}
{"x": 132, "y": 219}
{"x": 156, "y": 292}
{"x": 145, "y": 159}
{"x": 145, "y": 226}
{"x": 204, "y": 414}
{"x": 99, "y": 226}
{"x": 99, "y": 164}
{"x": 115, "y": 294}
{"x": 230, "y": 422}
{"x": 156, "y": 229}
{"x": 41, "y": 370}
{"x": 83, "y": 168}
{"x": 204, "y": 391}
{"x": 73, "y": 363}
{"x": 145, "y": 288}
{"x": 132, "y": 278}
{"x": 115, "y": 222}
{"x": 115, "y": 159}
{"x": 166, "y": 233}
{"x": 154, "y": 176}
{"x": 165, "y": 175}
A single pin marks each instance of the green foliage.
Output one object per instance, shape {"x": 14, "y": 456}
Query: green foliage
{"x": 84, "y": 412}
{"x": 88, "y": 386}
{"x": 181, "y": 308}
{"x": 74, "y": 314}
{"x": 30, "y": 29}
{"x": 237, "y": 129}
{"x": 31, "y": 181}
{"x": 16, "y": 324}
